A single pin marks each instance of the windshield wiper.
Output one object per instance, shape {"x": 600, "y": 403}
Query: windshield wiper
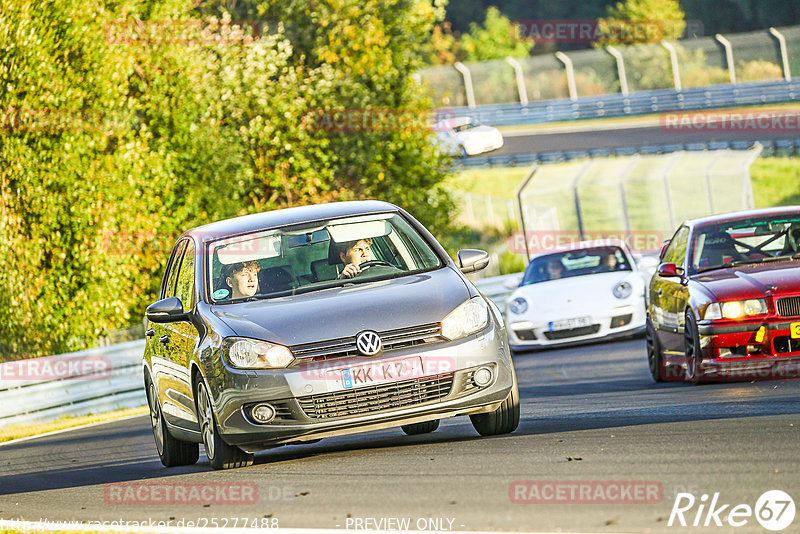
{"x": 734, "y": 263}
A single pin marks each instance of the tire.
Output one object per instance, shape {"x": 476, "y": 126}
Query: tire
{"x": 691, "y": 340}
{"x": 220, "y": 454}
{"x": 505, "y": 419}
{"x": 421, "y": 428}
{"x": 655, "y": 359}
{"x": 172, "y": 452}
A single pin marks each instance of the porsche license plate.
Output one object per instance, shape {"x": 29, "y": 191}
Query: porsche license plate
{"x": 569, "y": 324}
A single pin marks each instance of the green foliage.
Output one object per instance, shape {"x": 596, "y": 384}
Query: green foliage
{"x": 511, "y": 263}
{"x": 495, "y": 39}
{"x": 123, "y": 124}
{"x": 640, "y": 21}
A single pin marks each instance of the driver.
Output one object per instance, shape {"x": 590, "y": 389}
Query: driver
{"x": 353, "y": 254}
{"x": 242, "y": 278}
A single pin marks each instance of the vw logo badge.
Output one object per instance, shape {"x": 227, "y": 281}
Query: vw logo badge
{"x": 368, "y": 343}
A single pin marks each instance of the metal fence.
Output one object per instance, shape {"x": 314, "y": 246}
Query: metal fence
{"x": 761, "y": 56}
{"x": 640, "y": 198}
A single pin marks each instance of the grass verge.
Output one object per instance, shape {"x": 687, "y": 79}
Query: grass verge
{"x": 23, "y": 431}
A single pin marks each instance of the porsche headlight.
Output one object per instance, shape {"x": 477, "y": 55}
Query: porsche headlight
{"x": 623, "y": 290}
{"x": 246, "y": 353}
{"x": 518, "y": 305}
{"x": 736, "y": 309}
{"x": 467, "y": 319}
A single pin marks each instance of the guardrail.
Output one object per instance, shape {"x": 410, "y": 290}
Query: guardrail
{"x": 638, "y": 103}
{"x": 79, "y": 383}
{"x": 101, "y": 379}
{"x": 780, "y": 147}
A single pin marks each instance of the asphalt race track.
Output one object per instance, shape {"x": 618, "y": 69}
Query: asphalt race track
{"x": 630, "y": 135}
{"x": 588, "y": 414}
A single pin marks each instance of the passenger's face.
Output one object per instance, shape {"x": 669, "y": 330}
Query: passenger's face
{"x": 358, "y": 253}
{"x": 244, "y": 283}
{"x": 554, "y": 269}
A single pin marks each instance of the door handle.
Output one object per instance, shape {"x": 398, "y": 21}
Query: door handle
{"x": 150, "y": 332}
{"x": 164, "y": 339}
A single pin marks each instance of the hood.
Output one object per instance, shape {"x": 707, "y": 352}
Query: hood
{"x": 752, "y": 281}
{"x": 575, "y": 292}
{"x": 345, "y": 311}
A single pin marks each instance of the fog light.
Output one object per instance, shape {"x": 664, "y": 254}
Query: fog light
{"x": 482, "y": 376}
{"x": 263, "y": 413}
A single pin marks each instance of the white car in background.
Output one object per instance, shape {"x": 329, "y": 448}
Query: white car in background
{"x": 578, "y": 292}
{"x": 467, "y": 137}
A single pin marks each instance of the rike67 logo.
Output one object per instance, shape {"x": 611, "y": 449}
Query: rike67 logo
{"x": 774, "y": 510}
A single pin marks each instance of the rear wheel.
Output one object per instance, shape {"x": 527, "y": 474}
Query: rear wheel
{"x": 691, "y": 340}
{"x": 505, "y": 419}
{"x": 171, "y": 451}
{"x": 421, "y": 428}
{"x": 220, "y": 454}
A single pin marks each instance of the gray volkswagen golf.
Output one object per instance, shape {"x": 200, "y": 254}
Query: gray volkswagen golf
{"x": 299, "y": 324}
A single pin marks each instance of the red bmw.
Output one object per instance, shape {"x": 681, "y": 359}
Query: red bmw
{"x": 724, "y": 303}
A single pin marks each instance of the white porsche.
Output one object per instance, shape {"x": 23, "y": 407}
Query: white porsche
{"x": 467, "y": 137}
{"x": 579, "y": 292}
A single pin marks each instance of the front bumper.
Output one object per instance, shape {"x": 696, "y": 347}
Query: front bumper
{"x": 314, "y": 401}
{"x": 749, "y": 350}
{"x": 531, "y": 334}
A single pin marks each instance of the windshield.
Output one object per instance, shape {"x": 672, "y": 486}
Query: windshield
{"x": 575, "y": 263}
{"x": 752, "y": 240}
{"x": 309, "y": 257}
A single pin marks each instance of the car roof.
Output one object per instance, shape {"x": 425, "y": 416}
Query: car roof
{"x": 744, "y": 214}
{"x": 581, "y": 245}
{"x": 286, "y": 217}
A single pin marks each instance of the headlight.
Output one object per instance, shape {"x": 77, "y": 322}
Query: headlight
{"x": 518, "y": 305}
{"x": 736, "y": 309}
{"x": 623, "y": 290}
{"x": 467, "y": 319}
{"x": 247, "y": 353}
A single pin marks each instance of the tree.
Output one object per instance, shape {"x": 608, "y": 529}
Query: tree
{"x": 495, "y": 39}
{"x": 641, "y": 21}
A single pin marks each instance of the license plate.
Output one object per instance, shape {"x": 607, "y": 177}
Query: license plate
{"x": 569, "y": 324}
{"x": 795, "y": 330}
{"x": 376, "y": 372}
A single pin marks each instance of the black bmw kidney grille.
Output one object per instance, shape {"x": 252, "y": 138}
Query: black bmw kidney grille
{"x": 789, "y": 307}
{"x": 371, "y": 399}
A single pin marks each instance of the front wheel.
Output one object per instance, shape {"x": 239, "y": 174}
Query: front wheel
{"x": 420, "y": 428}
{"x": 220, "y": 454}
{"x": 172, "y": 452}
{"x": 692, "y": 351}
{"x": 505, "y": 419}
{"x": 655, "y": 359}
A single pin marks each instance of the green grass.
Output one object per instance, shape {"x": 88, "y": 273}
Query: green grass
{"x": 776, "y": 181}
{"x": 23, "y": 431}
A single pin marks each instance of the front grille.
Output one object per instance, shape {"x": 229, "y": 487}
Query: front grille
{"x": 377, "y": 398}
{"x": 789, "y": 307}
{"x": 784, "y": 344}
{"x": 391, "y": 339}
{"x": 572, "y": 332}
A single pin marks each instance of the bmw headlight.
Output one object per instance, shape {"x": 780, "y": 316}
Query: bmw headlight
{"x": 467, "y": 319}
{"x": 736, "y": 309}
{"x": 623, "y": 290}
{"x": 518, "y": 305}
{"x": 246, "y": 353}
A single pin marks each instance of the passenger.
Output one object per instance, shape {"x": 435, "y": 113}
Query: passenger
{"x": 610, "y": 263}
{"x": 555, "y": 269}
{"x": 242, "y": 278}
{"x": 353, "y": 254}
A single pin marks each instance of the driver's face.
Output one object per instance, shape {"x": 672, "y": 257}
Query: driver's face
{"x": 358, "y": 253}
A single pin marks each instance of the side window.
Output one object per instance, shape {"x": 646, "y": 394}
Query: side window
{"x": 172, "y": 271}
{"x": 185, "y": 289}
{"x": 676, "y": 251}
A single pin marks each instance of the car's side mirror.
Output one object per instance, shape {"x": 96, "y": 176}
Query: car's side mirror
{"x": 166, "y": 310}
{"x": 664, "y": 246}
{"x": 471, "y": 260}
{"x": 668, "y": 270}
